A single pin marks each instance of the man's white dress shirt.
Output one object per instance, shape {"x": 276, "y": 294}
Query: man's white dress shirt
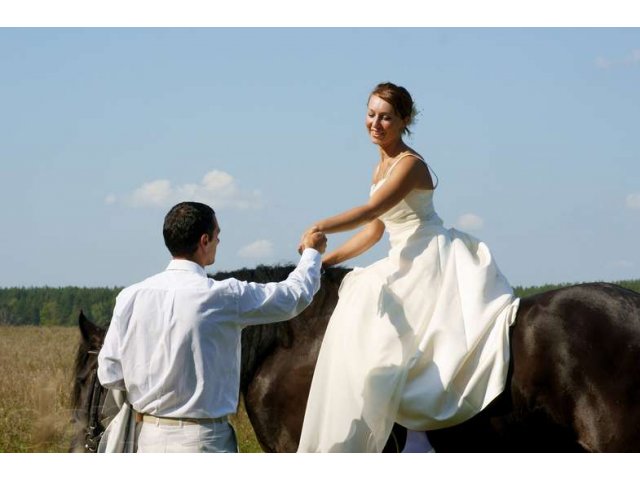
{"x": 174, "y": 339}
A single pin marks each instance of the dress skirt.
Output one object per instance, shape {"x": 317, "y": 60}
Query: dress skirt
{"x": 420, "y": 338}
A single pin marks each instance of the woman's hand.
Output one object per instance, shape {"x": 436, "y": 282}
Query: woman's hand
{"x": 356, "y": 245}
{"x": 309, "y": 231}
{"x": 313, "y": 238}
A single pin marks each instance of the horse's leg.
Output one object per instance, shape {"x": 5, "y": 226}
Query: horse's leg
{"x": 490, "y": 430}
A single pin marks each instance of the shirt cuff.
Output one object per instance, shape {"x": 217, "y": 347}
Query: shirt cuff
{"x": 312, "y": 255}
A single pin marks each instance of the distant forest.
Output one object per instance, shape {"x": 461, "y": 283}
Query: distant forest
{"x": 61, "y": 306}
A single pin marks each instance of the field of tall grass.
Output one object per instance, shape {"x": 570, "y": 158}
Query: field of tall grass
{"x": 36, "y": 378}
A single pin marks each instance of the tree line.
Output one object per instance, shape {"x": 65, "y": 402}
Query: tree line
{"x": 56, "y": 306}
{"x": 61, "y": 306}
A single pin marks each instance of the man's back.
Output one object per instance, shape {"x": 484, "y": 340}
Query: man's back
{"x": 174, "y": 340}
{"x": 175, "y": 337}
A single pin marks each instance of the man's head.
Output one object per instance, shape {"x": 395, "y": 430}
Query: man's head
{"x": 191, "y": 231}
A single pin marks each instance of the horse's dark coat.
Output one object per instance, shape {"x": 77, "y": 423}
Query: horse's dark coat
{"x": 85, "y": 370}
{"x": 283, "y": 354}
{"x": 572, "y": 384}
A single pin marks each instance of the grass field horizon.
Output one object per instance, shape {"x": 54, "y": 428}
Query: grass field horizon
{"x": 36, "y": 381}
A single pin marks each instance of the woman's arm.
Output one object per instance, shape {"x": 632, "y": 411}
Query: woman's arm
{"x": 407, "y": 175}
{"x": 356, "y": 245}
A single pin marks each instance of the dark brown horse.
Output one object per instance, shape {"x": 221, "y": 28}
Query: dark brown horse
{"x": 572, "y": 384}
{"x": 88, "y": 396}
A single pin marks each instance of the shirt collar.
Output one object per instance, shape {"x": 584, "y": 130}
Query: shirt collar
{"x": 186, "y": 265}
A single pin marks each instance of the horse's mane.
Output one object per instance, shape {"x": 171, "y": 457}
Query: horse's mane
{"x": 258, "y": 341}
{"x": 81, "y": 362}
{"x": 90, "y": 341}
{"x": 277, "y": 273}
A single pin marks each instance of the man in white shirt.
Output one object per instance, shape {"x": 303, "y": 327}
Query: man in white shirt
{"x": 174, "y": 340}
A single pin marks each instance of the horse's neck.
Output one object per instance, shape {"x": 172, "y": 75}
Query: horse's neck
{"x": 260, "y": 341}
{"x": 257, "y": 342}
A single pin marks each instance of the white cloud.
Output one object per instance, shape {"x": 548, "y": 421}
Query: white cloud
{"x": 110, "y": 199}
{"x": 602, "y": 62}
{"x": 628, "y": 60}
{"x": 217, "y": 189}
{"x": 633, "y": 200}
{"x": 154, "y": 193}
{"x": 470, "y": 221}
{"x": 257, "y": 249}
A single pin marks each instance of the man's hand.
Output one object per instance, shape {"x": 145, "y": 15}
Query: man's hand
{"x": 313, "y": 239}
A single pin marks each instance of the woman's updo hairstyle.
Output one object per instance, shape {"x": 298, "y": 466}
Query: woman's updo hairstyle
{"x": 400, "y": 100}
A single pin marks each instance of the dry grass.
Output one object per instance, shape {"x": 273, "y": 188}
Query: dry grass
{"x": 36, "y": 370}
{"x": 247, "y": 442}
{"x": 35, "y": 385}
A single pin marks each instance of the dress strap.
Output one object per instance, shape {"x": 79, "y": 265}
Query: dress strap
{"x": 431, "y": 170}
{"x": 406, "y": 154}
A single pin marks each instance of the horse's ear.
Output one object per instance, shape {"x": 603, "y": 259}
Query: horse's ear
{"x": 91, "y": 333}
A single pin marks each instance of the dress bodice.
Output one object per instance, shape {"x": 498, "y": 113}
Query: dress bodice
{"x": 413, "y": 211}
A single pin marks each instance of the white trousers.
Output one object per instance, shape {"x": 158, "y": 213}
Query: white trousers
{"x": 187, "y": 438}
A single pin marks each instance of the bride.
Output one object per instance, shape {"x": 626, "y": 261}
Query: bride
{"x": 420, "y": 337}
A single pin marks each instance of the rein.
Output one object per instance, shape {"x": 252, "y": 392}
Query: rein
{"x": 94, "y": 430}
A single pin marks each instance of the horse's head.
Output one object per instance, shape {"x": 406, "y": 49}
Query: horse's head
{"x": 88, "y": 394}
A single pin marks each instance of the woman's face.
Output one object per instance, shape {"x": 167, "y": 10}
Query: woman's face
{"x": 384, "y": 125}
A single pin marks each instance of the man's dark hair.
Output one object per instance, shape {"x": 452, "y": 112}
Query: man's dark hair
{"x": 183, "y": 226}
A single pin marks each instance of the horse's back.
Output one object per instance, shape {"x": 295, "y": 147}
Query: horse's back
{"x": 575, "y": 354}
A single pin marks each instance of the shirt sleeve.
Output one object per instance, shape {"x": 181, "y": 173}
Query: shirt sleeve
{"x": 109, "y": 365}
{"x": 274, "y": 302}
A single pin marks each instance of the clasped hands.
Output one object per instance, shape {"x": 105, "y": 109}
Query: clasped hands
{"x": 313, "y": 238}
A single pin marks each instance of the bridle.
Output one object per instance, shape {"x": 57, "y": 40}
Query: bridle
{"x": 94, "y": 429}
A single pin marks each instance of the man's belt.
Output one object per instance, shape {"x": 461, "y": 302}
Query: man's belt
{"x": 147, "y": 418}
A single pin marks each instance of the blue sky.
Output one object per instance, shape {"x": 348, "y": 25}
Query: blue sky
{"x": 532, "y": 132}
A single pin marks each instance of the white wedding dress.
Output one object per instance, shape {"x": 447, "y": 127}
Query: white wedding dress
{"x": 420, "y": 337}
